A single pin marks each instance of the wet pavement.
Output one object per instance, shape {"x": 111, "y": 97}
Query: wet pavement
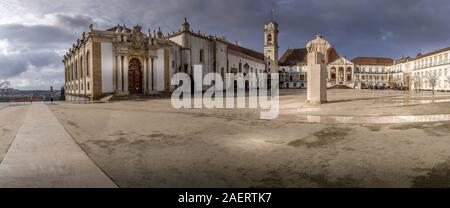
{"x": 44, "y": 155}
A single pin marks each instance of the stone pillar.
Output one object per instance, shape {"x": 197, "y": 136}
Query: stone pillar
{"x": 329, "y": 73}
{"x": 114, "y": 69}
{"x": 85, "y": 74}
{"x": 125, "y": 75}
{"x": 317, "y": 83}
{"x": 119, "y": 73}
{"x": 166, "y": 70}
{"x": 317, "y": 70}
{"x": 145, "y": 77}
{"x": 152, "y": 75}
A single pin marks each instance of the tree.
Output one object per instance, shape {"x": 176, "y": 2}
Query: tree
{"x": 433, "y": 79}
{"x": 63, "y": 96}
{"x": 4, "y": 84}
{"x": 448, "y": 83}
{"x": 417, "y": 79}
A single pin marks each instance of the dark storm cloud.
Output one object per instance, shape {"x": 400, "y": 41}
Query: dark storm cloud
{"x": 35, "y": 37}
{"x": 37, "y": 46}
{"x": 11, "y": 66}
{"x": 354, "y": 27}
{"x": 14, "y": 64}
{"x": 369, "y": 27}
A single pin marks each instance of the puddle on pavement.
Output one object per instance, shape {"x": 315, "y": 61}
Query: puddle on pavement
{"x": 373, "y": 119}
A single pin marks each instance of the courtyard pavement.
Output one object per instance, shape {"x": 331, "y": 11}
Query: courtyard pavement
{"x": 142, "y": 144}
{"x": 44, "y": 155}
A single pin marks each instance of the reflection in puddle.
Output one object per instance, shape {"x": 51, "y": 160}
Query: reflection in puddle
{"x": 406, "y": 102}
{"x": 374, "y": 119}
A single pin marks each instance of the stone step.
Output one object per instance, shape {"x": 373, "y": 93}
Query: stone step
{"x": 139, "y": 97}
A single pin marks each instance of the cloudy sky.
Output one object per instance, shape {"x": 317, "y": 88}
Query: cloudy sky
{"x": 34, "y": 34}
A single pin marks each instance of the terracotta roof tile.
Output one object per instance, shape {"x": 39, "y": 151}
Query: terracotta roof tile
{"x": 372, "y": 61}
{"x": 332, "y": 55}
{"x": 246, "y": 51}
{"x": 420, "y": 55}
{"x": 299, "y": 56}
{"x": 294, "y": 57}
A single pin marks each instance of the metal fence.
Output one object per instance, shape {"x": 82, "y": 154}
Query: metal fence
{"x": 11, "y": 100}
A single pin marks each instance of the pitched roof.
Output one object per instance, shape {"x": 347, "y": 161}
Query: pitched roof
{"x": 372, "y": 61}
{"x": 432, "y": 53}
{"x": 293, "y": 57}
{"x": 402, "y": 60}
{"x": 332, "y": 55}
{"x": 246, "y": 51}
{"x": 300, "y": 56}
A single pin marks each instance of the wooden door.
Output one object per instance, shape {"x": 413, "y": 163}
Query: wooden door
{"x": 135, "y": 77}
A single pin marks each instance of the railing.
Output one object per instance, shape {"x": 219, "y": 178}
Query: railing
{"x": 15, "y": 100}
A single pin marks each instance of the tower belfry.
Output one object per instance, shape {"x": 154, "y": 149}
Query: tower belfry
{"x": 271, "y": 44}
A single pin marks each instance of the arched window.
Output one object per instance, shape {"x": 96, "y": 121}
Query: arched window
{"x": 269, "y": 38}
{"x": 76, "y": 69}
{"x": 202, "y": 56}
{"x": 81, "y": 66}
{"x": 72, "y": 71}
{"x": 87, "y": 64}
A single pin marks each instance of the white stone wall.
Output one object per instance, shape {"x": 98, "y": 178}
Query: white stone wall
{"x": 221, "y": 57}
{"x": 207, "y": 46}
{"x": 107, "y": 67}
{"x": 438, "y": 63}
{"x": 158, "y": 76}
{"x": 236, "y": 58}
{"x": 443, "y": 72}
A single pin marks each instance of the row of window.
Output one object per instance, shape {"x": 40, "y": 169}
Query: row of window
{"x": 439, "y": 72}
{"x": 77, "y": 70}
{"x": 432, "y": 61}
{"x": 371, "y": 78}
{"x": 293, "y": 69}
{"x": 370, "y": 69}
{"x": 78, "y": 87}
{"x": 440, "y": 84}
{"x": 293, "y": 77}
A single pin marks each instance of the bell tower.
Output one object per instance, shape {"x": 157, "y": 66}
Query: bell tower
{"x": 271, "y": 46}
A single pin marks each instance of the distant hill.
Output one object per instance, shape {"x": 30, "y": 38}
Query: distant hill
{"x": 11, "y": 94}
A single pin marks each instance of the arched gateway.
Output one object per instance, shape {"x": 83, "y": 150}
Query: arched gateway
{"x": 135, "y": 77}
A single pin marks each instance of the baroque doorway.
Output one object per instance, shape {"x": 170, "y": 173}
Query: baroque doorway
{"x": 135, "y": 77}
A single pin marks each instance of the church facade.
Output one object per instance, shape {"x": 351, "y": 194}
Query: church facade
{"x": 124, "y": 61}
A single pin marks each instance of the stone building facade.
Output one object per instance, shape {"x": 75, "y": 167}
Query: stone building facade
{"x": 371, "y": 72}
{"x": 293, "y": 69}
{"x": 434, "y": 64}
{"x": 124, "y": 61}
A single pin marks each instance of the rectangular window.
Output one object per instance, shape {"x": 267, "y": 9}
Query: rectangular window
{"x": 202, "y": 56}
{"x": 87, "y": 65}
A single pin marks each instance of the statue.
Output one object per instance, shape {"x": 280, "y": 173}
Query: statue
{"x": 317, "y": 70}
{"x": 319, "y": 45}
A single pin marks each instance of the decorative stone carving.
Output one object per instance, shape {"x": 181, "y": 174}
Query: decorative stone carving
{"x": 136, "y": 38}
{"x": 319, "y": 45}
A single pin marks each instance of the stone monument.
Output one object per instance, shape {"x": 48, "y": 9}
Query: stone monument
{"x": 317, "y": 70}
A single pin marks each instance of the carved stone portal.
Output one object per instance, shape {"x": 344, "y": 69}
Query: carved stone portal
{"x": 137, "y": 39}
{"x": 317, "y": 70}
